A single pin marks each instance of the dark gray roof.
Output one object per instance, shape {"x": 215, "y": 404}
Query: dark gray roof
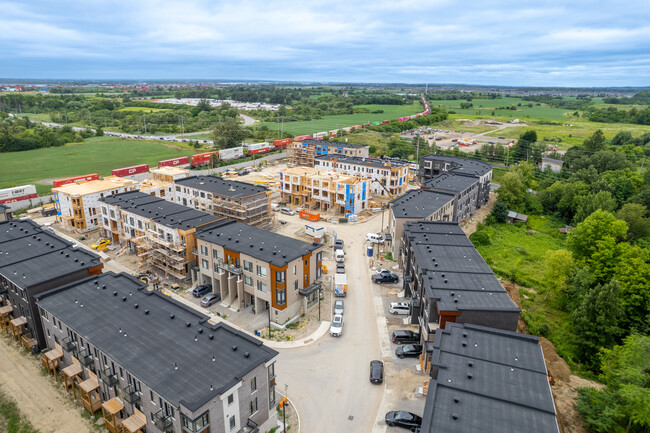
{"x": 465, "y": 300}
{"x": 222, "y": 187}
{"x": 450, "y": 259}
{"x": 419, "y": 203}
{"x": 386, "y": 163}
{"x": 448, "y": 182}
{"x": 333, "y": 144}
{"x": 433, "y": 227}
{"x": 552, "y": 160}
{"x": 179, "y": 358}
{"x": 27, "y": 247}
{"x": 161, "y": 211}
{"x": 4, "y": 208}
{"x": 17, "y": 229}
{"x": 461, "y": 166}
{"x": 264, "y": 245}
{"x": 487, "y": 381}
{"x": 461, "y": 281}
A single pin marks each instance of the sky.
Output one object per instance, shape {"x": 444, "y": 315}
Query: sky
{"x": 550, "y": 43}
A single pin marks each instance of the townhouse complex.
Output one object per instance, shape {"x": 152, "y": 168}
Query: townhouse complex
{"x": 152, "y": 364}
{"x": 251, "y": 266}
{"x": 388, "y": 176}
{"x": 33, "y": 261}
{"x": 241, "y": 201}
{"x": 305, "y": 151}
{"x": 160, "y": 232}
{"x": 487, "y": 380}
{"x": 319, "y": 190}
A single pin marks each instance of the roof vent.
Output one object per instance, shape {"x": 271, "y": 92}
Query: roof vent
{"x": 234, "y": 348}
{"x": 274, "y": 252}
{"x": 261, "y": 248}
{"x": 114, "y": 293}
{"x": 464, "y": 343}
{"x": 470, "y": 364}
{"x": 75, "y": 259}
{"x": 464, "y": 334}
{"x": 146, "y": 312}
{"x": 123, "y": 298}
{"x": 455, "y": 301}
{"x": 246, "y": 354}
{"x": 470, "y": 375}
{"x": 456, "y": 400}
{"x": 200, "y": 330}
{"x": 452, "y": 293}
{"x": 188, "y": 324}
{"x": 175, "y": 366}
{"x": 211, "y": 336}
{"x": 171, "y": 316}
{"x": 454, "y": 416}
{"x": 251, "y": 245}
{"x": 136, "y": 306}
{"x": 103, "y": 286}
{"x": 213, "y": 358}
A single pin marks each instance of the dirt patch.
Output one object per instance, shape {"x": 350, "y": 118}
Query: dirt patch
{"x": 469, "y": 226}
{"x": 44, "y": 404}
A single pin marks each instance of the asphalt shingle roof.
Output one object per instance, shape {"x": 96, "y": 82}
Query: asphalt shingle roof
{"x": 419, "y": 203}
{"x": 222, "y": 187}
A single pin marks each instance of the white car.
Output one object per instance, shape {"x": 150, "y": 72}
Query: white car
{"x": 338, "y": 307}
{"x": 375, "y": 238}
{"x": 287, "y": 211}
{"x": 336, "y": 330}
{"x": 400, "y": 308}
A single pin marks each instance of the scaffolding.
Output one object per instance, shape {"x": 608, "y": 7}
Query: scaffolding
{"x": 300, "y": 154}
{"x": 254, "y": 210}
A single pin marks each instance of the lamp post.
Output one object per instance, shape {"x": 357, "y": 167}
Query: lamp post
{"x": 319, "y": 293}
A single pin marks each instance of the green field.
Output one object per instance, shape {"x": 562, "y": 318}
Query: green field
{"x": 343, "y": 120}
{"x": 484, "y": 108}
{"x": 95, "y": 155}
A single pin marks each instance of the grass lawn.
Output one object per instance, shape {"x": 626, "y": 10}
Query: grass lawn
{"x": 343, "y": 120}
{"x": 11, "y": 420}
{"x": 36, "y": 117}
{"x": 95, "y": 155}
{"x": 484, "y": 107}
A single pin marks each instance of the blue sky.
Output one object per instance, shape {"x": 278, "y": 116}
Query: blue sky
{"x": 523, "y": 43}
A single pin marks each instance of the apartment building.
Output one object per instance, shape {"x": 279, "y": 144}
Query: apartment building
{"x": 33, "y": 261}
{"x": 303, "y": 152}
{"x": 77, "y": 204}
{"x": 161, "y": 182}
{"x": 464, "y": 188}
{"x": 448, "y": 280}
{"x": 5, "y": 213}
{"x": 153, "y": 364}
{"x": 250, "y": 266}
{"x": 487, "y": 380}
{"x": 161, "y": 233}
{"x": 319, "y": 190}
{"x": 434, "y": 165}
{"x": 241, "y": 201}
{"x": 388, "y": 176}
{"x": 417, "y": 205}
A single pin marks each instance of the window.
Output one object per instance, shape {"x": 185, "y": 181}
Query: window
{"x": 204, "y": 264}
{"x": 319, "y": 256}
{"x": 232, "y": 422}
{"x": 131, "y": 221}
{"x": 295, "y": 285}
{"x": 318, "y": 272}
{"x": 197, "y": 425}
{"x": 254, "y": 384}
{"x": 281, "y": 297}
{"x": 261, "y": 286}
{"x": 253, "y": 406}
{"x": 153, "y": 399}
{"x": 216, "y": 267}
{"x": 271, "y": 371}
{"x": 271, "y": 397}
{"x": 231, "y": 399}
{"x": 140, "y": 224}
{"x": 216, "y": 254}
{"x": 261, "y": 271}
{"x": 204, "y": 250}
{"x": 248, "y": 266}
{"x": 279, "y": 276}
{"x": 248, "y": 280}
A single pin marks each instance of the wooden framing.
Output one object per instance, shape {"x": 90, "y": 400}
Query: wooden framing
{"x": 50, "y": 360}
{"x": 89, "y": 390}
{"x": 111, "y": 410}
{"x": 17, "y": 327}
{"x": 70, "y": 374}
{"x": 5, "y": 317}
{"x": 135, "y": 423}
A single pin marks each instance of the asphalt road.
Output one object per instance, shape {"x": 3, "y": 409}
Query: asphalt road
{"x": 328, "y": 380}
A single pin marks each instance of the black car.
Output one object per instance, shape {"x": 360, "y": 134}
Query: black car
{"x": 385, "y": 277}
{"x": 402, "y": 418}
{"x": 338, "y": 245}
{"x": 404, "y": 336}
{"x": 409, "y": 350}
{"x": 376, "y": 371}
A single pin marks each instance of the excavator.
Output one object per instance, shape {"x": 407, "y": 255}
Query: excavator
{"x": 384, "y": 187}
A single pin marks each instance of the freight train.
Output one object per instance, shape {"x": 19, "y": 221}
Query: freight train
{"x": 17, "y": 193}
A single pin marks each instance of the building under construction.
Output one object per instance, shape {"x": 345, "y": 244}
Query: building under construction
{"x": 241, "y": 201}
{"x": 160, "y": 232}
{"x": 320, "y": 190}
{"x": 304, "y": 152}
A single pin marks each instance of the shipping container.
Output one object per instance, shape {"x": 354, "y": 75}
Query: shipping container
{"x": 76, "y": 179}
{"x": 257, "y": 148}
{"x": 175, "y": 162}
{"x": 17, "y": 193}
{"x": 333, "y": 133}
{"x": 365, "y": 125}
{"x": 356, "y": 127}
{"x": 385, "y": 121}
{"x": 301, "y": 137}
{"x": 231, "y": 153}
{"x": 283, "y": 143}
{"x": 202, "y": 158}
{"x": 129, "y": 171}
{"x": 319, "y": 135}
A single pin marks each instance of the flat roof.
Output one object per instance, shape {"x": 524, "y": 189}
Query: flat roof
{"x": 167, "y": 170}
{"x": 466, "y": 300}
{"x": 462, "y": 166}
{"x": 419, "y": 203}
{"x": 386, "y": 163}
{"x": 450, "y": 258}
{"x": 166, "y": 345}
{"x": 488, "y": 381}
{"x": 433, "y": 227}
{"x": 14, "y": 229}
{"x": 449, "y": 182}
{"x": 552, "y": 160}
{"x": 461, "y": 281}
{"x": 333, "y": 144}
{"x": 160, "y": 211}
{"x": 94, "y": 186}
{"x": 223, "y": 187}
{"x": 4, "y": 208}
{"x": 264, "y": 245}
{"x": 27, "y": 247}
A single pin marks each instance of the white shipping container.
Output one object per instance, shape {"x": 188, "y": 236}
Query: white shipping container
{"x": 17, "y": 192}
{"x": 231, "y": 153}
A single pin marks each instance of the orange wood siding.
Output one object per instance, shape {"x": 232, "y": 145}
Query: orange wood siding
{"x": 275, "y": 286}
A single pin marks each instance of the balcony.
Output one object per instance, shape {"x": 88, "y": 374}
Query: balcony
{"x": 250, "y": 427}
{"x": 162, "y": 421}
{"x": 108, "y": 377}
{"x": 131, "y": 396}
{"x": 69, "y": 344}
{"x": 85, "y": 357}
{"x": 228, "y": 267}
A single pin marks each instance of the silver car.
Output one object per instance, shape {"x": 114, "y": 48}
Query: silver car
{"x": 338, "y": 306}
{"x": 336, "y": 330}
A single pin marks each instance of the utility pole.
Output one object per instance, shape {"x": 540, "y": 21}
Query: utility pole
{"x": 145, "y": 123}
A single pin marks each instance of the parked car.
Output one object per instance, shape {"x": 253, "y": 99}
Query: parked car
{"x": 400, "y": 308}
{"x": 338, "y": 306}
{"x": 339, "y": 256}
{"x": 404, "y": 336}
{"x": 243, "y": 173}
{"x": 385, "y": 277}
{"x": 338, "y": 245}
{"x": 501, "y": 137}
{"x": 336, "y": 330}
{"x": 376, "y": 372}
{"x": 340, "y": 268}
{"x": 101, "y": 243}
{"x": 287, "y": 211}
{"x": 402, "y": 418}
{"x": 411, "y": 350}
{"x": 201, "y": 290}
{"x": 212, "y": 298}
{"x": 374, "y": 238}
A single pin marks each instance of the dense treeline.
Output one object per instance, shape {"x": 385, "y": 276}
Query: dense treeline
{"x": 17, "y": 134}
{"x": 615, "y": 115}
{"x": 641, "y": 98}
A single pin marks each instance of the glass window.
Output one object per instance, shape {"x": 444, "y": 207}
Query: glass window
{"x": 232, "y": 422}
{"x": 295, "y": 285}
{"x": 261, "y": 286}
{"x": 279, "y": 276}
{"x": 271, "y": 397}
{"x": 248, "y": 280}
{"x": 271, "y": 370}
{"x": 204, "y": 250}
{"x": 253, "y": 406}
{"x": 248, "y": 266}
{"x": 231, "y": 398}
{"x": 254, "y": 384}
{"x": 261, "y": 271}
{"x": 204, "y": 264}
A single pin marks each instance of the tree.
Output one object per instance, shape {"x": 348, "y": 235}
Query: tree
{"x": 587, "y": 204}
{"x": 500, "y": 212}
{"x": 634, "y": 215}
{"x": 558, "y": 268}
{"x": 623, "y": 405}
{"x": 526, "y": 139}
{"x": 595, "y": 142}
{"x": 601, "y": 225}
{"x": 621, "y": 138}
{"x": 229, "y": 133}
{"x": 513, "y": 192}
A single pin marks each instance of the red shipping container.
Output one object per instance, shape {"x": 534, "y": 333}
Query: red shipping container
{"x": 68, "y": 180}
{"x": 174, "y": 162}
{"x": 202, "y": 158}
{"x": 365, "y": 125}
{"x": 129, "y": 171}
{"x": 385, "y": 121}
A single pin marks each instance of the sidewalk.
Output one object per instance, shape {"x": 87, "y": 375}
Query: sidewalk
{"x": 322, "y": 329}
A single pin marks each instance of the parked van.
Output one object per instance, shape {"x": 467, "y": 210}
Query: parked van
{"x": 375, "y": 238}
{"x": 339, "y": 256}
{"x": 201, "y": 290}
{"x": 400, "y": 308}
